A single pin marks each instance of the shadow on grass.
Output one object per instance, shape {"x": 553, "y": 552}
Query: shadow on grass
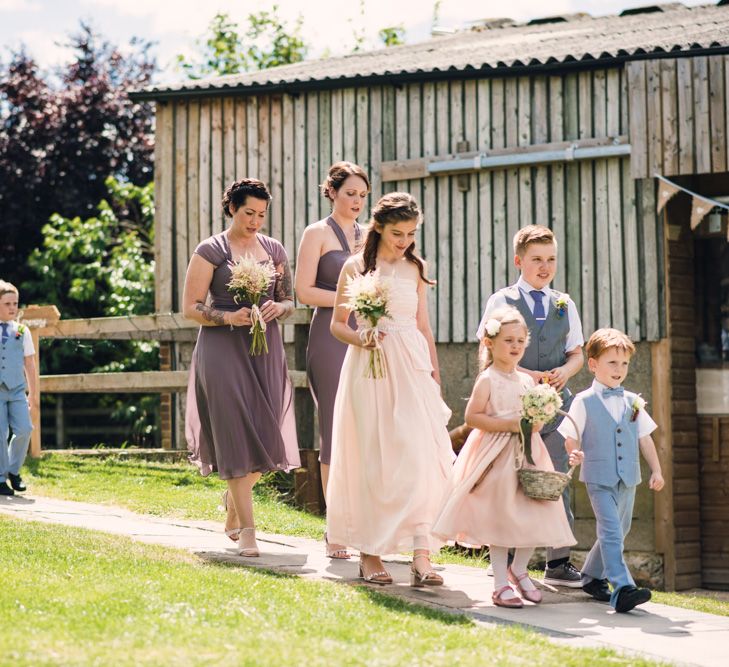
{"x": 396, "y": 604}
{"x": 387, "y": 602}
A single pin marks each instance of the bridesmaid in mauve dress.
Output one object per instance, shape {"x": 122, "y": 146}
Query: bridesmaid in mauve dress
{"x": 239, "y": 420}
{"x": 325, "y": 246}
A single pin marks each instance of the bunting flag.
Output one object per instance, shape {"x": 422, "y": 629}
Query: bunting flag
{"x": 666, "y": 190}
{"x": 700, "y": 206}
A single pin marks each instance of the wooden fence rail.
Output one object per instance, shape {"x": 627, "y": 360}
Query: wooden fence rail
{"x": 45, "y": 322}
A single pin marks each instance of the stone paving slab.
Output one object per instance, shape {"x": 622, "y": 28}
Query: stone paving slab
{"x": 660, "y": 632}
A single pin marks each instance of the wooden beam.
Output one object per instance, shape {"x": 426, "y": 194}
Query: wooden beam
{"x": 398, "y": 170}
{"x": 139, "y": 382}
{"x": 663, "y": 506}
{"x": 36, "y": 317}
{"x": 160, "y": 326}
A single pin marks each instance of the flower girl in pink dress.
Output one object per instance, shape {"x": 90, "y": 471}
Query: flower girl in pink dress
{"x": 485, "y": 503}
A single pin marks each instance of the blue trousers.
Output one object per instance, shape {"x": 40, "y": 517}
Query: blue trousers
{"x": 613, "y": 508}
{"x": 15, "y": 415}
{"x": 560, "y": 460}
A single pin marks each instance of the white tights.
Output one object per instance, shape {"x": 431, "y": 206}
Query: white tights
{"x": 499, "y": 562}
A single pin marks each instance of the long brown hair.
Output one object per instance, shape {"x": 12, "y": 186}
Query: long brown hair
{"x": 392, "y": 208}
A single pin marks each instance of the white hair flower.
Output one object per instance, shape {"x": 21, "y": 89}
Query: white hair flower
{"x": 493, "y": 327}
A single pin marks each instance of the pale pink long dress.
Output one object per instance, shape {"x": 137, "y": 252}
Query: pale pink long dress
{"x": 391, "y": 454}
{"x": 497, "y": 512}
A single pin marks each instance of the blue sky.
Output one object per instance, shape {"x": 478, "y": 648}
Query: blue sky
{"x": 43, "y": 25}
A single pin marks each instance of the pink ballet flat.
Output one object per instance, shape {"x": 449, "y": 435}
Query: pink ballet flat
{"x": 513, "y": 603}
{"x": 532, "y": 596}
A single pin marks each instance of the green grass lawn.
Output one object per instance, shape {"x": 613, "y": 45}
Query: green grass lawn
{"x": 178, "y": 490}
{"x": 77, "y": 597}
{"x": 160, "y": 488}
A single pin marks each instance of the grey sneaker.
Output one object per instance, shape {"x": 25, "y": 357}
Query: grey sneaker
{"x": 563, "y": 575}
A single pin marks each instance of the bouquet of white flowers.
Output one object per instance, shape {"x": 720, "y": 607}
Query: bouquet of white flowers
{"x": 367, "y": 296}
{"x": 539, "y": 404}
{"x": 249, "y": 282}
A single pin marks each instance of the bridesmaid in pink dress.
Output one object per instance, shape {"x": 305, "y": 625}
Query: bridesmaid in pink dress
{"x": 485, "y": 503}
{"x": 391, "y": 453}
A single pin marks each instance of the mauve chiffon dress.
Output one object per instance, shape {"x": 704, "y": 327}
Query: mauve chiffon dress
{"x": 324, "y": 353}
{"x": 240, "y": 415}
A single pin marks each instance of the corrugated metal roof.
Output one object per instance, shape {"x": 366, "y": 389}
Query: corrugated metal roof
{"x": 580, "y": 40}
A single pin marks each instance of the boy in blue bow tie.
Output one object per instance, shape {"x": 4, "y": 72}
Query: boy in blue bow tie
{"x": 613, "y": 425}
{"x": 17, "y": 362}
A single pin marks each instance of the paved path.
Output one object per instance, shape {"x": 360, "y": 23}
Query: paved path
{"x": 655, "y": 631}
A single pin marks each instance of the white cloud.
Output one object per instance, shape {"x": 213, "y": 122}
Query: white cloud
{"x": 19, "y": 6}
{"x": 47, "y": 48}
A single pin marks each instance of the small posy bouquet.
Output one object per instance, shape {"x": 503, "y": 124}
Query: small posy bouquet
{"x": 636, "y": 406}
{"x": 367, "y": 296}
{"x": 249, "y": 282}
{"x": 539, "y": 404}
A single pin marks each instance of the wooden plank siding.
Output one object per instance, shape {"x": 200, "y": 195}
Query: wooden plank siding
{"x": 678, "y": 116}
{"x": 608, "y": 257}
{"x": 684, "y": 492}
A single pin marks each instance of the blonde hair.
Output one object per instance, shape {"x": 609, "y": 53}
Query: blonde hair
{"x": 503, "y": 315}
{"x": 532, "y": 234}
{"x": 7, "y": 288}
{"x": 605, "y": 339}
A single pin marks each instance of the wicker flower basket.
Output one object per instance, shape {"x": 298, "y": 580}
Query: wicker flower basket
{"x": 546, "y": 484}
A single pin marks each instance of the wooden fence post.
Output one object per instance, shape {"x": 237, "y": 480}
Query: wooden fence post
{"x": 35, "y": 318}
{"x": 307, "y": 479}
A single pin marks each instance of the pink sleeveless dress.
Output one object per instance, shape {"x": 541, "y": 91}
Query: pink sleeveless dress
{"x": 391, "y": 454}
{"x": 496, "y": 511}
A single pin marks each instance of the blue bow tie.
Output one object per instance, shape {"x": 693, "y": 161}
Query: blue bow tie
{"x": 617, "y": 391}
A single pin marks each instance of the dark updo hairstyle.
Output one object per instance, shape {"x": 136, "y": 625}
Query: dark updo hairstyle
{"x": 340, "y": 172}
{"x": 390, "y": 209}
{"x": 235, "y": 194}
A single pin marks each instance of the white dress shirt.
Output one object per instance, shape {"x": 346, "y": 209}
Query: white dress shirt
{"x": 575, "y": 337}
{"x": 616, "y": 407}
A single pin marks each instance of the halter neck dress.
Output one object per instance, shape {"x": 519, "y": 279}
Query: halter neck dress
{"x": 325, "y": 354}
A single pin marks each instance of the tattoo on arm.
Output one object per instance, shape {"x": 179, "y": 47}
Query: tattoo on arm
{"x": 210, "y": 314}
{"x": 284, "y": 290}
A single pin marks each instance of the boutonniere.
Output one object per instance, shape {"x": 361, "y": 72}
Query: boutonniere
{"x": 560, "y": 304}
{"x": 636, "y": 406}
{"x": 20, "y": 331}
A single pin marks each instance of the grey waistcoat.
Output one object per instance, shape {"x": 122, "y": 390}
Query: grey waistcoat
{"x": 611, "y": 449}
{"x": 12, "y": 370}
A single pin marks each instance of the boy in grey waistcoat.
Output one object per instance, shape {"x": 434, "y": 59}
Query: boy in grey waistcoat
{"x": 614, "y": 426}
{"x": 554, "y": 353}
{"x": 17, "y": 362}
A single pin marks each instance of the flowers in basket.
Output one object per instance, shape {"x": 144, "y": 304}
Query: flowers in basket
{"x": 367, "y": 296}
{"x": 539, "y": 404}
{"x": 249, "y": 282}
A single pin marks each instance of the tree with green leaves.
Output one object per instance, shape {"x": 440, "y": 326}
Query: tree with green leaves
{"x": 95, "y": 266}
{"x": 267, "y": 41}
{"x": 393, "y": 36}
